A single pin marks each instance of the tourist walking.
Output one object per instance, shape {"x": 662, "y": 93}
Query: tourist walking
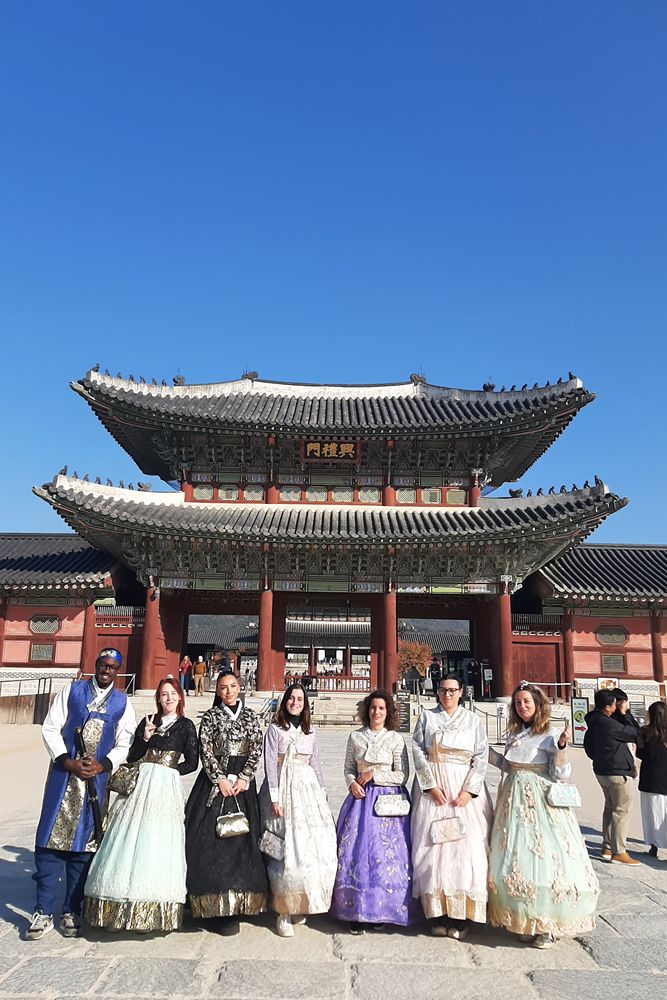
{"x": 137, "y": 879}
{"x": 199, "y": 673}
{"x": 653, "y": 778}
{"x": 226, "y": 876}
{"x": 607, "y": 743}
{"x": 374, "y": 879}
{"x": 435, "y": 674}
{"x": 541, "y": 883}
{"x": 451, "y": 813}
{"x": 185, "y": 673}
{"x": 300, "y": 845}
{"x": 87, "y": 733}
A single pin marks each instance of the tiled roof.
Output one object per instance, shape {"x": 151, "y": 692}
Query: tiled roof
{"x": 621, "y": 571}
{"x": 53, "y": 561}
{"x": 109, "y": 509}
{"x": 133, "y": 411}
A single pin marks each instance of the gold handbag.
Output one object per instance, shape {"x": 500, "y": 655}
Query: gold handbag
{"x": 231, "y": 824}
{"x": 123, "y": 781}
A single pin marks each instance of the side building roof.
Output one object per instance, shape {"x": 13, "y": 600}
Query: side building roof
{"x": 597, "y": 571}
{"x": 60, "y": 561}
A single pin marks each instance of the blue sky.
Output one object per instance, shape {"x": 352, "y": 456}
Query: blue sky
{"x": 345, "y": 192}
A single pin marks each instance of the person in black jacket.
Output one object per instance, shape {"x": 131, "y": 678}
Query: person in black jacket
{"x": 607, "y": 742}
{"x": 653, "y": 778}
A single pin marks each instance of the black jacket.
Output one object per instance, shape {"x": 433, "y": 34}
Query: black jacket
{"x": 653, "y": 773}
{"x": 606, "y": 743}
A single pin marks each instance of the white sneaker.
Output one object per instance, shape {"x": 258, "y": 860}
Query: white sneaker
{"x": 544, "y": 941}
{"x": 40, "y": 925}
{"x": 284, "y": 925}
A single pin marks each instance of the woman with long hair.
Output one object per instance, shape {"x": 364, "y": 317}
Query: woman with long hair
{"x": 137, "y": 879}
{"x": 374, "y": 879}
{"x": 541, "y": 883}
{"x": 226, "y": 876}
{"x": 451, "y": 814}
{"x": 302, "y": 872}
{"x": 653, "y": 778}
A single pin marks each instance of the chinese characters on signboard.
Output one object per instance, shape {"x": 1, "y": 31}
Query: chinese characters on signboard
{"x": 328, "y": 451}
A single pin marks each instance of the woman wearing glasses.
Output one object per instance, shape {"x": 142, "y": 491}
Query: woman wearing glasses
{"x": 451, "y": 814}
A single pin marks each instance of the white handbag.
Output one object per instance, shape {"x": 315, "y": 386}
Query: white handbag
{"x": 563, "y": 796}
{"x": 391, "y": 805}
{"x": 443, "y": 831}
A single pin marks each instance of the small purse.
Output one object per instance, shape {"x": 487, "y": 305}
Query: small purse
{"x": 231, "y": 824}
{"x": 563, "y": 796}
{"x": 391, "y": 805}
{"x": 123, "y": 781}
{"x": 273, "y": 845}
{"x": 444, "y": 831}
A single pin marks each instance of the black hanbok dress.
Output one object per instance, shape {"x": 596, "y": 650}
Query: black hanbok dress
{"x": 225, "y": 877}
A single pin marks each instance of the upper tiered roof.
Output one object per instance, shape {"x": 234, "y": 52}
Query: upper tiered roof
{"x": 134, "y": 412}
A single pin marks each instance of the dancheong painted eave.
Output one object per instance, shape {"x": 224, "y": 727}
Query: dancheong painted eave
{"x": 106, "y": 511}
{"x": 133, "y": 412}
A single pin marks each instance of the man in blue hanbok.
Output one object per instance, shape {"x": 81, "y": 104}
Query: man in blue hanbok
{"x": 87, "y": 733}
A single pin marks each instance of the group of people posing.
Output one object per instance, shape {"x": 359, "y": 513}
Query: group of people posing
{"x": 394, "y": 858}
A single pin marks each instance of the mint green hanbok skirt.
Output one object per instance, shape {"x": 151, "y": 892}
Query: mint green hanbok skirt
{"x": 540, "y": 876}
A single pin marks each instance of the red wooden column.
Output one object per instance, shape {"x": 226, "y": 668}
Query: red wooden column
{"x": 152, "y": 653}
{"x": 3, "y": 624}
{"x": 89, "y": 643}
{"x": 504, "y": 674}
{"x": 347, "y": 661}
{"x": 568, "y": 650}
{"x": 390, "y": 641}
{"x": 389, "y": 491}
{"x": 264, "y": 640}
{"x": 272, "y": 492}
{"x": 278, "y": 642}
{"x": 377, "y": 659}
{"x": 656, "y": 647}
{"x": 474, "y": 492}
{"x": 173, "y": 618}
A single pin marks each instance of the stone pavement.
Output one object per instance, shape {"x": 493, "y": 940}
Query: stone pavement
{"x": 624, "y": 959}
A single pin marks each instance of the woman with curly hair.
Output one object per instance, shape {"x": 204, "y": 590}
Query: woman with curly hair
{"x": 374, "y": 880}
{"x": 653, "y": 778}
{"x": 541, "y": 883}
{"x": 301, "y": 847}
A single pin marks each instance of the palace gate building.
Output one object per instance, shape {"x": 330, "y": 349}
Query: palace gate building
{"x": 379, "y": 499}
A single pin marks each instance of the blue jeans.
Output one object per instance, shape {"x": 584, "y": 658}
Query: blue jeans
{"x": 48, "y": 872}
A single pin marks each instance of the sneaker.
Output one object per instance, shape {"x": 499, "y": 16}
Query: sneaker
{"x": 356, "y": 928}
{"x": 69, "y": 925}
{"x": 544, "y": 941}
{"x": 439, "y": 928}
{"x": 40, "y": 925}
{"x": 605, "y": 854}
{"x": 458, "y": 929}
{"x": 284, "y": 925}
{"x": 623, "y": 859}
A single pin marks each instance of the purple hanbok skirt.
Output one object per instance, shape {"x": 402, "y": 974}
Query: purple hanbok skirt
{"x": 374, "y": 878}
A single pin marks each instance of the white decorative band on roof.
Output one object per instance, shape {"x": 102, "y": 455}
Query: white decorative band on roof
{"x": 174, "y": 498}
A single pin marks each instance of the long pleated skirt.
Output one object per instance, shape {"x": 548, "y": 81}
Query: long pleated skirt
{"x": 374, "y": 878}
{"x": 654, "y": 818}
{"x": 540, "y": 877}
{"x": 225, "y": 877}
{"x": 302, "y": 882}
{"x": 136, "y": 880}
{"x": 450, "y": 879}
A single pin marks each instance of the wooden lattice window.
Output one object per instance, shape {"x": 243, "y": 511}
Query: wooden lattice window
{"x": 368, "y": 495}
{"x": 455, "y": 497}
{"x": 202, "y": 493}
{"x": 316, "y": 494}
{"x": 431, "y": 496}
{"x": 290, "y": 494}
{"x": 41, "y": 651}
{"x": 611, "y": 635}
{"x": 253, "y": 494}
{"x": 342, "y": 494}
{"x": 613, "y": 663}
{"x": 228, "y": 493}
{"x": 406, "y": 496}
{"x": 44, "y": 624}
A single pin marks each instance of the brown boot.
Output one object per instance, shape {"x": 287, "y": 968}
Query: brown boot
{"x": 623, "y": 859}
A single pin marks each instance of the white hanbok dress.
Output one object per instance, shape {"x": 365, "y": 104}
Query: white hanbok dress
{"x": 302, "y": 882}
{"x": 451, "y": 752}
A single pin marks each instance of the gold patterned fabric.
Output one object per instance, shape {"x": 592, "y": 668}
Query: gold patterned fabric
{"x": 228, "y": 904}
{"x": 167, "y": 758}
{"x": 132, "y": 916}
{"x": 66, "y": 822}
{"x": 456, "y": 906}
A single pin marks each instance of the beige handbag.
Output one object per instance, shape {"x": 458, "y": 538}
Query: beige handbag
{"x": 391, "y": 805}
{"x": 443, "y": 831}
{"x": 123, "y": 781}
{"x": 232, "y": 824}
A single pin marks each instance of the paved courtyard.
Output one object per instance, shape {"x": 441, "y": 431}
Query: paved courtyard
{"x": 625, "y": 958}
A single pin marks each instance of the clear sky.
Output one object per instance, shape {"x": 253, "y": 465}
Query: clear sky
{"x": 344, "y": 192}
